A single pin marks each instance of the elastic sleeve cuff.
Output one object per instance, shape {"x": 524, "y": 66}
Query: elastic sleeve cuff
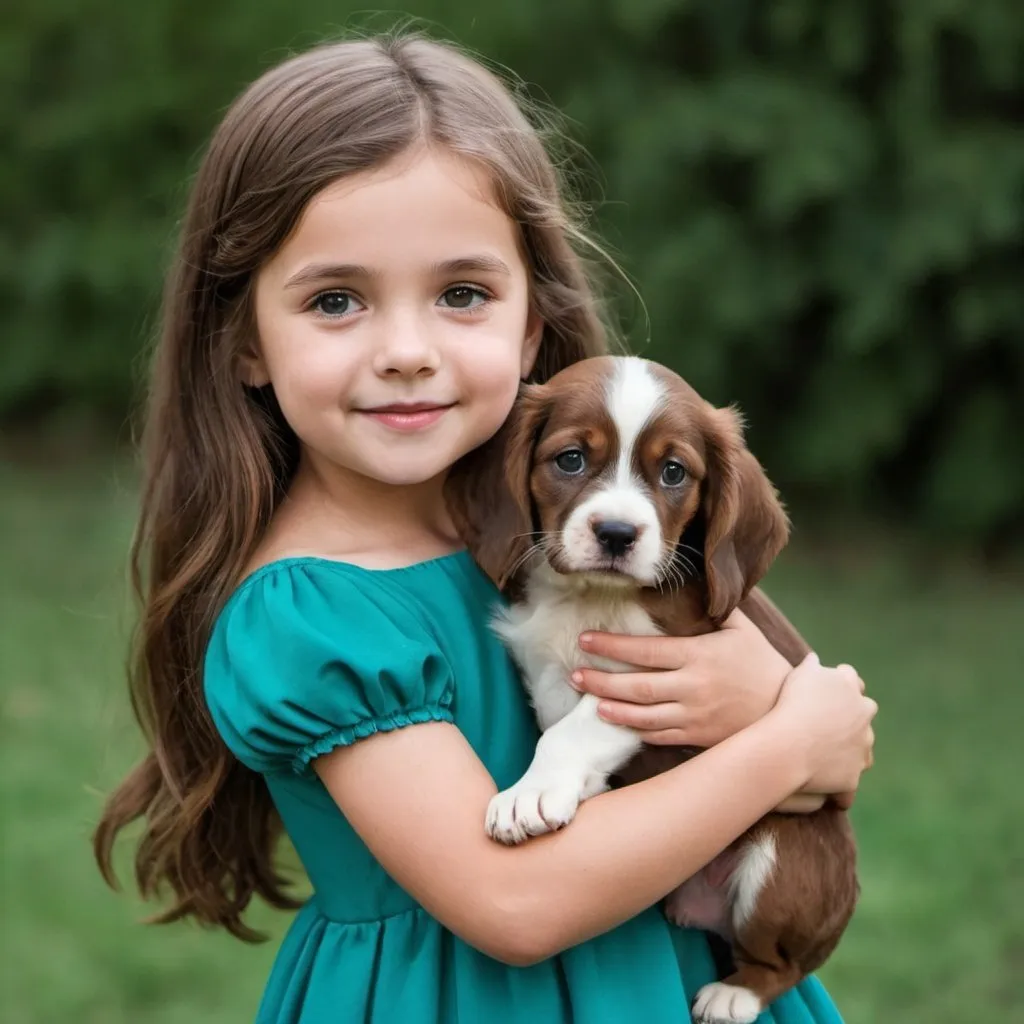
{"x": 349, "y": 734}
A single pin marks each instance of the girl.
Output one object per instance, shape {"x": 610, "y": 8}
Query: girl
{"x": 374, "y": 255}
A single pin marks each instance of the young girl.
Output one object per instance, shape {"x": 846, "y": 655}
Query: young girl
{"x": 374, "y": 255}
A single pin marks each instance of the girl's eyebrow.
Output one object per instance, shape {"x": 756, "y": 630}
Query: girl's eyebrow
{"x": 472, "y": 264}
{"x": 481, "y": 263}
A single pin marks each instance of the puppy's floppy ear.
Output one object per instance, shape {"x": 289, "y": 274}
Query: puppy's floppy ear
{"x": 488, "y": 491}
{"x": 745, "y": 523}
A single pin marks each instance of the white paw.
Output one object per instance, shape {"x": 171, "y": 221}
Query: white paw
{"x": 532, "y": 807}
{"x": 719, "y": 1003}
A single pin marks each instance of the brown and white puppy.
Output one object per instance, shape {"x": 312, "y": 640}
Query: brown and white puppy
{"x": 617, "y": 499}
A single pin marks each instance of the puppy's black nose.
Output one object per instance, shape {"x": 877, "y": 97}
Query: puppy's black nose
{"x": 615, "y": 537}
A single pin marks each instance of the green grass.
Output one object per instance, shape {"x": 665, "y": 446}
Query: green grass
{"x": 939, "y": 934}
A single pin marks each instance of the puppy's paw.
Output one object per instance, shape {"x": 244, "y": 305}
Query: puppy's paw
{"x": 719, "y": 1003}
{"x": 530, "y": 808}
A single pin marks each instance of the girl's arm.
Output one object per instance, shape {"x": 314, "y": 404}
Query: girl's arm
{"x": 417, "y": 797}
{"x": 696, "y": 691}
{"x": 690, "y": 690}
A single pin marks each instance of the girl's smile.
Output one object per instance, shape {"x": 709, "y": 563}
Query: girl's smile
{"x": 411, "y": 417}
{"x": 395, "y": 324}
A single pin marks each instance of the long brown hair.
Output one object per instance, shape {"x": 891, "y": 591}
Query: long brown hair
{"x": 219, "y": 456}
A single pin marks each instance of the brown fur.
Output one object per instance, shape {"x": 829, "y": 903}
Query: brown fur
{"x": 805, "y": 906}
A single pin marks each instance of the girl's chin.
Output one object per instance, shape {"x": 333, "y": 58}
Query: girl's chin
{"x": 405, "y": 476}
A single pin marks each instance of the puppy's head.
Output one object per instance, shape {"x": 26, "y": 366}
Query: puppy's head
{"x": 601, "y": 471}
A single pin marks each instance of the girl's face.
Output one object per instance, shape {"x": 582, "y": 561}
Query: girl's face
{"x": 394, "y": 323}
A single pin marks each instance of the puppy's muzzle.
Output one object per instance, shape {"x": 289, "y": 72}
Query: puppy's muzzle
{"x": 615, "y": 536}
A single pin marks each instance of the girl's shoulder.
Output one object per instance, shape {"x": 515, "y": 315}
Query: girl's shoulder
{"x": 341, "y": 573}
{"x": 292, "y": 591}
{"x": 308, "y": 651}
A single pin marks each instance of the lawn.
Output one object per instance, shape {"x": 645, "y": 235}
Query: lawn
{"x": 939, "y": 934}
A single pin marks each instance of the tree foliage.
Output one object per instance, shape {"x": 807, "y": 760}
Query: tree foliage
{"x": 821, "y": 204}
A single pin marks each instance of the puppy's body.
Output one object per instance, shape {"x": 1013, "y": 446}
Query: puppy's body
{"x": 610, "y": 464}
{"x": 543, "y": 630}
{"x": 577, "y": 751}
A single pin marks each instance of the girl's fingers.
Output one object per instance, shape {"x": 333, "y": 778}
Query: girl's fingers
{"x": 643, "y": 651}
{"x": 851, "y": 673}
{"x": 646, "y": 717}
{"x": 633, "y": 687}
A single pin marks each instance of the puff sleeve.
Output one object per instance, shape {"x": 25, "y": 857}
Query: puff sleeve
{"x": 308, "y": 656}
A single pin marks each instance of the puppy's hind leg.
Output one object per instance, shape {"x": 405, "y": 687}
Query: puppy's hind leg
{"x": 792, "y": 896}
{"x": 762, "y": 972}
{"x": 755, "y": 983}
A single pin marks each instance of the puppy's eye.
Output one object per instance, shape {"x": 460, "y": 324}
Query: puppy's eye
{"x": 571, "y": 462}
{"x": 673, "y": 474}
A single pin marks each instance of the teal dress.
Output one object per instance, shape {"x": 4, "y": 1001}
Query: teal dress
{"x": 310, "y": 654}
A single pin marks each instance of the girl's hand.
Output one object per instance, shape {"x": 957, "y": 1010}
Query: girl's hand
{"x": 830, "y": 717}
{"x": 692, "y": 691}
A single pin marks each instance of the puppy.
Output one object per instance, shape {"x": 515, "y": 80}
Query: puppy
{"x": 616, "y": 499}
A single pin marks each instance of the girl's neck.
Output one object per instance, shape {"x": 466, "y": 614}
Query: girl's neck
{"x": 332, "y": 513}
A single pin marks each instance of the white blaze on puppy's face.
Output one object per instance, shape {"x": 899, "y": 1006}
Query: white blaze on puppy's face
{"x": 611, "y": 456}
{"x": 622, "y": 499}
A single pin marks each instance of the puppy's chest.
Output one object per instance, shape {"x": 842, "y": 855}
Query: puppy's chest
{"x": 543, "y": 636}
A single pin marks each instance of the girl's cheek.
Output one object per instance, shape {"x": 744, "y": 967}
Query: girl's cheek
{"x": 497, "y": 368}
{"x": 322, "y": 371}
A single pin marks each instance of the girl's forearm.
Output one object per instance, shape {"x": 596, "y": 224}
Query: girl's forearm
{"x": 417, "y": 797}
{"x": 634, "y": 845}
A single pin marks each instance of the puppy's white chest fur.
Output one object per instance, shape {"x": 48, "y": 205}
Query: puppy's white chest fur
{"x": 543, "y": 631}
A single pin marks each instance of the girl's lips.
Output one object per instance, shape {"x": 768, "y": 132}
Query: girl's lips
{"x": 410, "y": 419}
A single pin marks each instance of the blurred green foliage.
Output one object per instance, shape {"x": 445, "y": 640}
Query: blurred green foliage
{"x": 822, "y": 205}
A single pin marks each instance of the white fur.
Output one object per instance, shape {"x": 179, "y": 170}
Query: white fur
{"x": 719, "y": 1003}
{"x": 755, "y": 866}
{"x": 572, "y": 763}
{"x": 633, "y": 396}
{"x": 578, "y": 750}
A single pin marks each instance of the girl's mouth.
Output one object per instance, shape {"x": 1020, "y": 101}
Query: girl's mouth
{"x": 408, "y": 417}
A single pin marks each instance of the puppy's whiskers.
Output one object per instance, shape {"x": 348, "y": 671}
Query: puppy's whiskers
{"x": 524, "y": 558}
{"x": 540, "y": 546}
{"x": 667, "y": 574}
{"x": 690, "y": 547}
{"x": 681, "y": 562}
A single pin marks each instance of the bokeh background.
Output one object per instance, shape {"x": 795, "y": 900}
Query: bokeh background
{"x": 821, "y": 205}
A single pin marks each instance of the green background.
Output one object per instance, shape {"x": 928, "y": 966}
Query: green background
{"x": 822, "y": 207}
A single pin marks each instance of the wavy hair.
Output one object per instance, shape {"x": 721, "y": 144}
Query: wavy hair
{"x": 218, "y": 456}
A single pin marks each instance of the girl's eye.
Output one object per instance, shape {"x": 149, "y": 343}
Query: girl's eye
{"x": 463, "y": 296}
{"x": 571, "y": 462}
{"x": 673, "y": 474}
{"x": 336, "y": 304}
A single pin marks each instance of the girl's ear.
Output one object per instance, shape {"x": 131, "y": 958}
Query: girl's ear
{"x": 531, "y": 344}
{"x": 251, "y": 367}
{"x": 254, "y": 374}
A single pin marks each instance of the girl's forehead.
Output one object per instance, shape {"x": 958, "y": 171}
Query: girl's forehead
{"x": 424, "y": 207}
{"x": 419, "y": 167}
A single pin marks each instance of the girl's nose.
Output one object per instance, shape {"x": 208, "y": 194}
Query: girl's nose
{"x": 406, "y": 350}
